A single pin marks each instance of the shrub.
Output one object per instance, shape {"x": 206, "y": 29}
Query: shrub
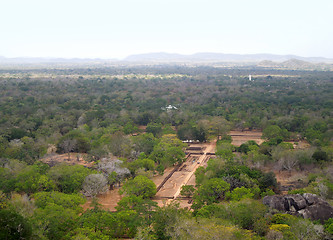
{"x": 240, "y": 193}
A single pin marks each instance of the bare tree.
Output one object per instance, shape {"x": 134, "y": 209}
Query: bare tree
{"x": 288, "y": 162}
{"x": 109, "y": 166}
{"x": 68, "y": 145}
{"x": 285, "y": 158}
{"x": 95, "y": 184}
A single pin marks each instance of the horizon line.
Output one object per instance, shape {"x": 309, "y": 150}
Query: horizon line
{"x": 160, "y": 52}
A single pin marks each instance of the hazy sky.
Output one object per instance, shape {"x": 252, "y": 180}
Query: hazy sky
{"x": 115, "y": 29}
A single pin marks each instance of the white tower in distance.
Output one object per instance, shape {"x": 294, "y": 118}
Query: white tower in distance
{"x": 250, "y": 77}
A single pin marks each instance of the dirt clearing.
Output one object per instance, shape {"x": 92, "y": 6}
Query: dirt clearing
{"x": 240, "y": 137}
{"x": 107, "y": 200}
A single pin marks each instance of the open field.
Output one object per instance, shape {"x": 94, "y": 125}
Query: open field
{"x": 240, "y": 137}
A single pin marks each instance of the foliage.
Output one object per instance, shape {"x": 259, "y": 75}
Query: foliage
{"x": 248, "y": 146}
{"x": 114, "y": 225}
{"x": 210, "y": 192}
{"x": 86, "y": 233}
{"x": 142, "y": 206}
{"x": 329, "y": 226}
{"x": 73, "y": 141}
{"x": 245, "y": 213}
{"x": 71, "y": 201}
{"x": 155, "y": 129}
{"x": 30, "y": 180}
{"x": 320, "y": 155}
{"x": 240, "y": 193}
{"x": 275, "y": 132}
{"x": 187, "y": 190}
{"x": 55, "y": 220}
{"x": 144, "y": 143}
{"x": 68, "y": 179}
{"x": 224, "y": 149}
{"x": 164, "y": 219}
{"x": 14, "y": 226}
{"x": 139, "y": 186}
{"x": 168, "y": 151}
{"x": 205, "y": 229}
{"x": 192, "y": 132}
{"x": 146, "y": 164}
{"x": 16, "y": 176}
{"x": 94, "y": 109}
{"x": 119, "y": 144}
{"x": 199, "y": 175}
{"x": 295, "y": 228}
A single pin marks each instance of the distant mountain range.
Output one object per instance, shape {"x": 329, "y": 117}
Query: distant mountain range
{"x": 221, "y": 57}
{"x": 260, "y": 60}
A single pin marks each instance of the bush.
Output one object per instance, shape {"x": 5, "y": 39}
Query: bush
{"x": 74, "y": 141}
{"x": 320, "y": 155}
{"x": 329, "y": 226}
{"x": 240, "y": 193}
{"x": 245, "y": 213}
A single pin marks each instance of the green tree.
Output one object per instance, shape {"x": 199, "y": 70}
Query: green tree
{"x": 73, "y": 141}
{"x": 120, "y": 144}
{"x": 30, "y": 180}
{"x": 85, "y": 233}
{"x": 199, "y": 175}
{"x": 68, "y": 178}
{"x": 55, "y": 220}
{"x": 142, "y": 206}
{"x": 187, "y": 190}
{"x": 146, "y": 164}
{"x": 320, "y": 155}
{"x": 275, "y": 132}
{"x": 139, "y": 186}
{"x": 240, "y": 193}
{"x": 169, "y": 151}
{"x": 14, "y": 226}
{"x": 144, "y": 143}
{"x": 224, "y": 150}
{"x": 155, "y": 129}
{"x": 70, "y": 201}
{"x": 210, "y": 192}
{"x": 164, "y": 219}
{"x": 219, "y": 126}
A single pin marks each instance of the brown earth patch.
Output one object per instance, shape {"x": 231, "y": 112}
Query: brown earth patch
{"x": 240, "y": 137}
{"x": 72, "y": 159}
{"x": 107, "y": 200}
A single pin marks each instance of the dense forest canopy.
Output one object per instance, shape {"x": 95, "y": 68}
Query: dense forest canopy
{"x": 293, "y": 100}
{"x": 128, "y": 122}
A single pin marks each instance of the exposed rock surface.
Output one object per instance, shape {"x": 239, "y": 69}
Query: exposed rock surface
{"x": 306, "y": 205}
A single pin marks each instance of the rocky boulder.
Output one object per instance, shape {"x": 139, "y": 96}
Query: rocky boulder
{"x": 277, "y": 202}
{"x": 295, "y": 202}
{"x": 306, "y": 205}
